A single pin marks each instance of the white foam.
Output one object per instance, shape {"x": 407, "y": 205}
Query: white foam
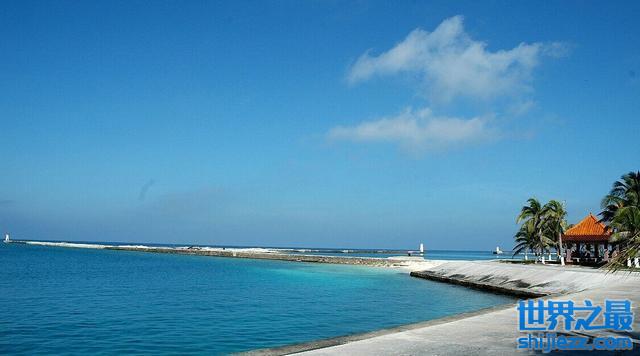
{"x": 66, "y": 244}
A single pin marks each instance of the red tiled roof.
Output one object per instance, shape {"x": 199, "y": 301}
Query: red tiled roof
{"x": 589, "y": 229}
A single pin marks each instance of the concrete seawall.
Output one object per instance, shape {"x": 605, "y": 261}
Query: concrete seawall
{"x": 527, "y": 281}
{"x": 510, "y": 290}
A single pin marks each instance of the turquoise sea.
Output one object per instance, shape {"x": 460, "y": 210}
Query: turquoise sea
{"x": 62, "y": 300}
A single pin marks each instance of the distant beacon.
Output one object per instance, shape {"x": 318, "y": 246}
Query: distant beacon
{"x": 421, "y": 248}
{"x": 6, "y": 238}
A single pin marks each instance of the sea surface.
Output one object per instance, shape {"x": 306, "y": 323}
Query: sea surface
{"x": 66, "y": 300}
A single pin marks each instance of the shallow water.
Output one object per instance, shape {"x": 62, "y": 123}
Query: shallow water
{"x": 64, "y": 300}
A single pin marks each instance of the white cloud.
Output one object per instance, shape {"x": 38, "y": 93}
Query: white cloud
{"x": 417, "y": 131}
{"x": 451, "y": 64}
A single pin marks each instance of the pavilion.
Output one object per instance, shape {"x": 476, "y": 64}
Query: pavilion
{"x": 587, "y": 242}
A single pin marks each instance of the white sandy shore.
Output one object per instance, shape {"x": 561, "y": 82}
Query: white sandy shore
{"x": 65, "y": 244}
{"x": 145, "y": 247}
{"x": 411, "y": 264}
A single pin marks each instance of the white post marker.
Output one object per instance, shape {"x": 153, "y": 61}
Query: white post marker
{"x": 6, "y": 238}
{"x": 421, "y": 248}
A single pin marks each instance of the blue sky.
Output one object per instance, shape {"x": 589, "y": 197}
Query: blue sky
{"x": 311, "y": 123}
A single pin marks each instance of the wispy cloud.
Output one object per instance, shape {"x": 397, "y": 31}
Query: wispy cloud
{"x": 450, "y": 63}
{"x": 417, "y": 131}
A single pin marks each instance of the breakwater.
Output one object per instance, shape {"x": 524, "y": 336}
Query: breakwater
{"x": 368, "y": 261}
{"x": 252, "y": 253}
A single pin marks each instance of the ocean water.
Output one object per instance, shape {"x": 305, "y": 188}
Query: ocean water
{"x": 62, "y": 300}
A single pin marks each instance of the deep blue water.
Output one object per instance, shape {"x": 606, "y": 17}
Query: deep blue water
{"x": 64, "y": 300}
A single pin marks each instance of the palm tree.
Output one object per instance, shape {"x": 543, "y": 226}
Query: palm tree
{"x": 626, "y": 227}
{"x": 525, "y": 239}
{"x": 555, "y": 224}
{"x": 624, "y": 192}
{"x": 532, "y": 211}
{"x": 621, "y": 210}
{"x": 533, "y": 216}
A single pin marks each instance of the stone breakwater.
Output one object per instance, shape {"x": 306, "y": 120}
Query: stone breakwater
{"x": 252, "y": 253}
{"x": 365, "y": 261}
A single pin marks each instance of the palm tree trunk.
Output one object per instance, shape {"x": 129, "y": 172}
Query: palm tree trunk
{"x": 561, "y": 249}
